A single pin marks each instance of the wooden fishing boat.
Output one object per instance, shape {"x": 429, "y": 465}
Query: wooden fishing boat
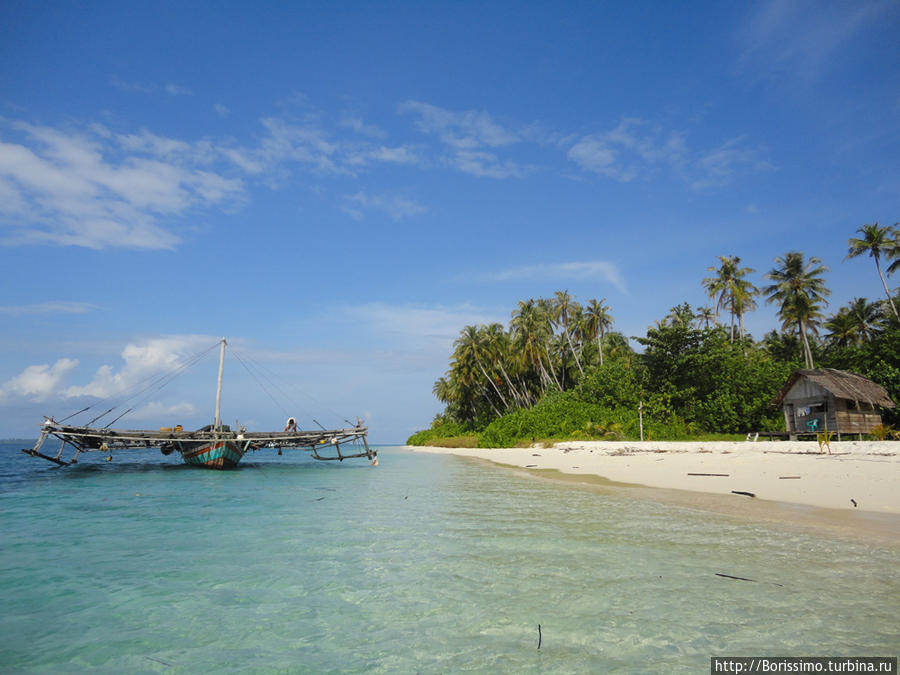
{"x": 215, "y": 446}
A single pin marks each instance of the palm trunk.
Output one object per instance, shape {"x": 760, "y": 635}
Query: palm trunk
{"x": 886, "y": 291}
{"x": 550, "y": 367}
{"x": 572, "y": 348}
{"x": 493, "y": 384}
{"x": 807, "y": 352}
{"x": 600, "y": 346}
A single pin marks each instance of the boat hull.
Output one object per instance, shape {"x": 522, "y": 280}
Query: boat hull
{"x": 218, "y": 455}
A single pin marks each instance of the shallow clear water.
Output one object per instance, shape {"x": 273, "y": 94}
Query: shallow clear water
{"x": 427, "y": 563}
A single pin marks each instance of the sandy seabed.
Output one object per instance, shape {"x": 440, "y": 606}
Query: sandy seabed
{"x": 855, "y": 487}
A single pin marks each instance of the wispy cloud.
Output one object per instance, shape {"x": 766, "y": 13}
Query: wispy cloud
{"x": 721, "y": 165}
{"x": 50, "y": 307}
{"x": 630, "y": 149}
{"x": 359, "y": 126}
{"x": 150, "y": 88}
{"x": 96, "y": 189}
{"x": 158, "y": 411}
{"x": 801, "y": 38}
{"x": 593, "y": 270}
{"x": 472, "y": 139}
{"x": 397, "y": 207}
{"x": 416, "y": 322}
{"x": 637, "y": 148}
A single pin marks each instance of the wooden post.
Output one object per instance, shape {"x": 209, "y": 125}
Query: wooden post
{"x": 641, "y": 418}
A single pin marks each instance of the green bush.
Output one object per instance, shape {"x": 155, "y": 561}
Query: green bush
{"x": 440, "y": 429}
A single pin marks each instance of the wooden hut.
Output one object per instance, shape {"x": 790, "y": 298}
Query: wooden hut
{"x": 826, "y": 399}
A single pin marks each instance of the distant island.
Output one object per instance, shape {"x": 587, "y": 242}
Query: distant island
{"x": 559, "y": 372}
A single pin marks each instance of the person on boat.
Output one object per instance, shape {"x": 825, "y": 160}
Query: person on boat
{"x": 291, "y": 424}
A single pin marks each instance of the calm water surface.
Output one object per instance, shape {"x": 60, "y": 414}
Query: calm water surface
{"x": 426, "y": 563}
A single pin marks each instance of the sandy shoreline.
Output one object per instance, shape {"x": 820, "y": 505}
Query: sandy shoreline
{"x": 864, "y": 472}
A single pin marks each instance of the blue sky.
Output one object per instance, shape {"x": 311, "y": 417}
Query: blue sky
{"x": 339, "y": 188}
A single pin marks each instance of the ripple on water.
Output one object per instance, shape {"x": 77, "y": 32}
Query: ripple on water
{"x": 428, "y": 563}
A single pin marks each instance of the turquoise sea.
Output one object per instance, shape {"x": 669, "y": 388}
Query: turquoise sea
{"x": 424, "y": 564}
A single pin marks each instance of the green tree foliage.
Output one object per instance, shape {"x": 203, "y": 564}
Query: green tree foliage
{"x": 877, "y": 359}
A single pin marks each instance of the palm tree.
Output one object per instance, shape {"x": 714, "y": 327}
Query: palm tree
{"x": 842, "y": 329}
{"x": 530, "y": 336}
{"x": 598, "y": 320}
{"x": 731, "y": 290}
{"x": 866, "y": 317}
{"x": 895, "y": 253}
{"x": 680, "y": 315}
{"x": 704, "y": 316}
{"x": 742, "y": 301}
{"x": 800, "y": 290}
{"x": 876, "y": 240}
{"x": 563, "y": 307}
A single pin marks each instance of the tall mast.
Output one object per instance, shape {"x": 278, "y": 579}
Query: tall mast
{"x": 219, "y": 388}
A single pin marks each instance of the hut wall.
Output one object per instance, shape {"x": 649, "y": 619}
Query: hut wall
{"x": 853, "y": 418}
{"x": 821, "y": 404}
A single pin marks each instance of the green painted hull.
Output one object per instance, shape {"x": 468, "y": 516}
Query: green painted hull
{"x": 219, "y": 455}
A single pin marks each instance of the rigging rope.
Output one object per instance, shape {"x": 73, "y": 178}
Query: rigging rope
{"x": 261, "y": 385}
{"x": 154, "y": 379}
{"x": 270, "y": 377}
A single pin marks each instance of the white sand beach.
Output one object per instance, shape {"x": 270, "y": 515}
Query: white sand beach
{"x": 862, "y": 476}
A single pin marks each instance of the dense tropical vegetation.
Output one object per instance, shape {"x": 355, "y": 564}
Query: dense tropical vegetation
{"x": 559, "y": 370}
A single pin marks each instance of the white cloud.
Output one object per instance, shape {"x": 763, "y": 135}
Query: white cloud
{"x": 142, "y": 360}
{"x": 596, "y": 270}
{"x": 221, "y": 110}
{"x": 159, "y": 411}
{"x": 50, "y": 307}
{"x": 38, "y": 382}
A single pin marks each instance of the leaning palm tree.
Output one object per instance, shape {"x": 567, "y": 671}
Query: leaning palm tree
{"x": 876, "y": 241}
{"x": 799, "y": 289}
{"x": 563, "y": 308}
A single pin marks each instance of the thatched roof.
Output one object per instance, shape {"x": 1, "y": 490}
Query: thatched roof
{"x": 842, "y": 384}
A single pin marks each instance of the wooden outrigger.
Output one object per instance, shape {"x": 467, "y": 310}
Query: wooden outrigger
{"x": 88, "y": 439}
{"x": 215, "y": 446}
